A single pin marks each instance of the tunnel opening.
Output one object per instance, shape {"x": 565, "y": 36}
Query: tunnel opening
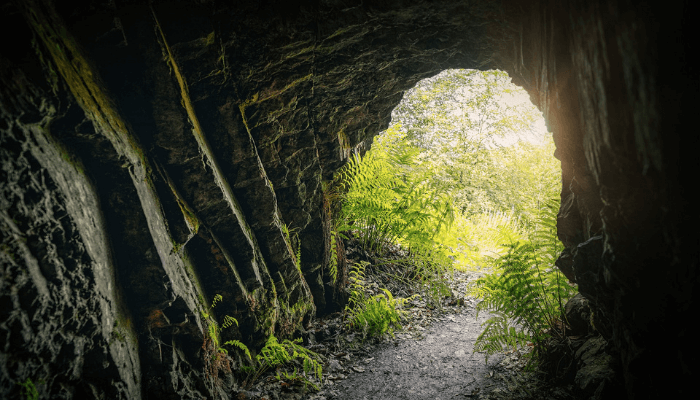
{"x": 474, "y": 138}
{"x": 464, "y": 179}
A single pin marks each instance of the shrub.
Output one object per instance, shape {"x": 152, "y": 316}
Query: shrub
{"x": 373, "y": 316}
{"x": 278, "y": 355}
{"x": 526, "y": 299}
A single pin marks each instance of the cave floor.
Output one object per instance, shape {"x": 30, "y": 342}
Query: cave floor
{"x": 438, "y": 364}
{"x": 431, "y": 358}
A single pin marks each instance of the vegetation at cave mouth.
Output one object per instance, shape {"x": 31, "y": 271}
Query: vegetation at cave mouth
{"x": 464, "y": 178}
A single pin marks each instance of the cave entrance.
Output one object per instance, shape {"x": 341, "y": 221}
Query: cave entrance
{"x": 466, "y": 165}
{"x": 457, "y": 197}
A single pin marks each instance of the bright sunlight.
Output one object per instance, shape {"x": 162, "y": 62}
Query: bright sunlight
{"x": 483, "y": 145}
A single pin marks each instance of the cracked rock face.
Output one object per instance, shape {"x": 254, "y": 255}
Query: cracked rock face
{"x": 156, "y": 156}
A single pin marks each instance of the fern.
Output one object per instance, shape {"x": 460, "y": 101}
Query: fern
{"x": 214, "y": 331}
{"x": 371, "y": 315}
{"x": 386, "y": 203}
{"x": 240, "y": 345}
{"x": 526, "y": 298}
{"x": 295, "y": 253}
{"x": 276, "y": 354}
{"x": 333, "y": 261}
{"x": 217, "y": 298}
{"x": 228, "y": 322}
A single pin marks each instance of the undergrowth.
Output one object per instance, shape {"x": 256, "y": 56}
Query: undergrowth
{"x": 286, "y": 356}
{"x": 526, "y": 295}
{"x": 386, "y": 202}
{"x": 372, "y": 316}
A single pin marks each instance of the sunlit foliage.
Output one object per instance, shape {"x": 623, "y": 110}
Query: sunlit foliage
{"x": 465, "y": 177}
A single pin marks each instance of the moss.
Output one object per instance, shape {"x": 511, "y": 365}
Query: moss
{"x": 339, "y": 32}
{"x": 189, "y": 216}
{"x": 82, "y": 79}
{"x": 269, "y": 94}
{"x": 302, "y": 51}
{"x": 344, "y": 143}
{"x": 210, "y": 38}
{"x": 252, "y": 100}
{"x": 265, "y": 306}
{"x": 116, "y": 333}
{"x": 291, "y": 318}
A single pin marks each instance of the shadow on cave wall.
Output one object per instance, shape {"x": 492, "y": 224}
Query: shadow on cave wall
{"x": 154, "y": 156}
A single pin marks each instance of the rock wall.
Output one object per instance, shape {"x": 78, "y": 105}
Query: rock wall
{"x": 155, "y": 156}
{"x": 617, "y": 91}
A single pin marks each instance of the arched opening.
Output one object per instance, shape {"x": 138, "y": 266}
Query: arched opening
{"x": 469, "y": 138}
{"x": 459, "y": 197}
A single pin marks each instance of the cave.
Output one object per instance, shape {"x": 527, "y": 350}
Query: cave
{"x": 155, "y": 155}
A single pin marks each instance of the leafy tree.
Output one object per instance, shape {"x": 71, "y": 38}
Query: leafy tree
{"x": 463, "y": 120}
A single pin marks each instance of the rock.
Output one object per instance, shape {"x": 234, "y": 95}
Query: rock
{"x": 565, "y": 263}
{"x": 334, "y": 366}
{"x": 596, "y": 375}
{"x": 578, "y": 315}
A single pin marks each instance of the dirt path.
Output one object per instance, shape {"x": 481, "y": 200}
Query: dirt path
{"x": 432, "y": 358}
{"x": 440, "y": 366}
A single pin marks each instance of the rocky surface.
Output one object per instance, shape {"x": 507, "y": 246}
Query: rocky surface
{"x": 154, "y": 156}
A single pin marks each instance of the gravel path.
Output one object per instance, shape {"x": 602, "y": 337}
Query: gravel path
{"x": 440, "y": 366}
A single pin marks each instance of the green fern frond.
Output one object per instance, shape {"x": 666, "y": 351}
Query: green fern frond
{"x": 228, "y": 322}
{"x": 217, "y": 298}
{"x": 240, "y": 345}
{"x": 526, "y": 297}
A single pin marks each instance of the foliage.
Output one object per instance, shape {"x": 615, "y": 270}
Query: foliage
{"x": 526, "y": 299}
{"x": 389, "y": 201}
{"x": 475, "y": 242}
{"x": 218, "y": 354}
{"x": 453, "y": 150}
{"x": 276, "y": 355}
{"x": 273, "y": 355}
{"x": 332, "y": 204}
{"x": 295, "y": 253}
{"x": 28, "y": 390}
{"x": 238, "y": 344}
{"x": 479, "y": 139}
{"x": 373, "y": 316}
{"x": 453, "y": 182}
{"x": 333, "y": 259}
